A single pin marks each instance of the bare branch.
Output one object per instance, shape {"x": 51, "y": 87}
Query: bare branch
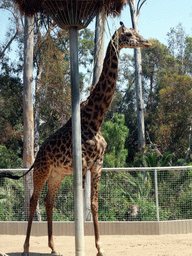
{"x": 40, "y": 39}
{"x": 8, "y": 44}
{"x": 15, "y": 35}
{"x": 139, "y": 7}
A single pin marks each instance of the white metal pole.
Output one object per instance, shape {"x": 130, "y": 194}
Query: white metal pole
{"x": 76, "y": 138}
{"x": 156, "y": 195}
{"x": 87, "y": 197}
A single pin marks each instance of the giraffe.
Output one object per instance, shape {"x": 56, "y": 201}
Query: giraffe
{"x": 54, "y": 158}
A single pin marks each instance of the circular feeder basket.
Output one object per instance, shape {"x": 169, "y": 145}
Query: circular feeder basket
{"x": 71, "y": 13}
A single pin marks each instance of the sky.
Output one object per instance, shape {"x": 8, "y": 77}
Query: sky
{"x": 157, "y": 17}
{"x": 155, "y": 21}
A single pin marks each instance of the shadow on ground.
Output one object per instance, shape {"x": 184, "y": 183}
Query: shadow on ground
{"x": 28, "y": 254}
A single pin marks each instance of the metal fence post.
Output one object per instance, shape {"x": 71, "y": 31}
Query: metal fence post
{"x": 156, "y": 195}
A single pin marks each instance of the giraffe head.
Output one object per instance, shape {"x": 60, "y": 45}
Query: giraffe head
{"x": 129, "y": 38}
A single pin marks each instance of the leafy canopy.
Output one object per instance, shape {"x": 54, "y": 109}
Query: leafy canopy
{"x": 115, "y": 134}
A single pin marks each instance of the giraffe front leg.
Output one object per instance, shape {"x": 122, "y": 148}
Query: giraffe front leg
{"x": 95, "y": 177}
{"x": 98, "y": 243}
{"x": 49, "y": 202}
{"x": 49, "y": 210}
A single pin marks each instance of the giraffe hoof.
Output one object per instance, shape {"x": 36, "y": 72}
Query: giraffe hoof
{"x": 25, "y": 254}
{"x": 54, "y": 253}
{"x": 101, "y": 254}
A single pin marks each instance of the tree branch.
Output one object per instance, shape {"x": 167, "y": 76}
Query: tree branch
{"x": 189, "y": 141}
{"x": 15, "y": 35}
{"x": 139, "y": 7}
{"x": 8, "y": 44}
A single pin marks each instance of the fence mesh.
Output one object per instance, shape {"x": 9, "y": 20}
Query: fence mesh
{"x": 123, "y": 196}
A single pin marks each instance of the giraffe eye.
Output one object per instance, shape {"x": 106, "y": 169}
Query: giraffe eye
{"x": 129, "y": 34}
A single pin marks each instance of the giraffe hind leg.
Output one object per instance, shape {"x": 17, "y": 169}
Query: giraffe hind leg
{"x": 33, "y": 205}
{"x": 95, "y": 177}
{"x": 40, "y": 176}
{"x": 53, "y": 186}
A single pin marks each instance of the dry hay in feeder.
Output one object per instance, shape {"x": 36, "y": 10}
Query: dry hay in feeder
{"x": 31, "y": 7}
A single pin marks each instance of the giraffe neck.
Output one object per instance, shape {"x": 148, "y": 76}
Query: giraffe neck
{"x": 97, "y": 104}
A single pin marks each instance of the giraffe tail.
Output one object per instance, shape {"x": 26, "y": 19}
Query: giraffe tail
{"x": 9, "y": 175}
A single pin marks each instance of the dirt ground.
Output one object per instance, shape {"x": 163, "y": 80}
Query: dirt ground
{"x": 162, "y": 245}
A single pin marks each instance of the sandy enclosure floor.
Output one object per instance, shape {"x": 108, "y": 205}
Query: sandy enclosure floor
{"x": 161, "y": 245}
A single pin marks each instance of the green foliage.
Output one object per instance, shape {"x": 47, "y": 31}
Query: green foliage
{"x": 176, "y": 43}
{"x": 119, "y": 194}
{"x": 171, "y": 125}
{"x": 63, "y": 207}
{"x": 115, "y": 134}
{"x": 9, "y": 159}
{"x": 153, "y": 59}
{"x": 53, "y": 91}
{"x": 175, "y": 193}
{"x": 183, "y": 204}
{"x": 122, "y": 192}
{"x": 11, "y": 114}
{"x": 139, "y": 185}
{"x": 11, "y": 118}
{"x": 150, "y": 159}
{"x": 168, "y": 100}
{"x": 188, "y": 55}
{"x": 11, "y": 200}
{"x": 148, "y": 211}
{"x": 86, "y": 47}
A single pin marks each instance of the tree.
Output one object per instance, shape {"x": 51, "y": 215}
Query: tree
{"x": 15, "y": 29}
{"x": 11, "y": 118}
{"x": 135, "y": 12}
{"x": 53, "y": 93}
{"x": 99, "y": 46}
{"x": 176, "y": 45}
{"x": 28, "y": 140}
{"x": 173, "y": 115}
{"x": 8, "y": 158}
{"x": 188, "y": 56}
{"x": 153, "y": 60}
{"x": 115, "y": 134}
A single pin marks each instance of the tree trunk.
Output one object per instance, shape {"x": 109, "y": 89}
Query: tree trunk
{"x": 37, "y": 111}
{"x": 99, "y": 46}
{"x": 38, "y": 59}
{"x": 189, "y": 140}
{"x": 138, "y": 80}
{"x": 28, "y": 140}
{"x": 98, "y": 65}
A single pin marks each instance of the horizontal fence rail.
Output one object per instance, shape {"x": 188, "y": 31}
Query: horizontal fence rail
{"x": 125, "y": 194}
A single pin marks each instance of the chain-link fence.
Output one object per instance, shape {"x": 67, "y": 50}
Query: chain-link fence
{"x": 141, "y": 194}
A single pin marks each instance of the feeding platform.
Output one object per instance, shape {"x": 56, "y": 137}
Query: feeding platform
{"x": 67, "y": 13}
